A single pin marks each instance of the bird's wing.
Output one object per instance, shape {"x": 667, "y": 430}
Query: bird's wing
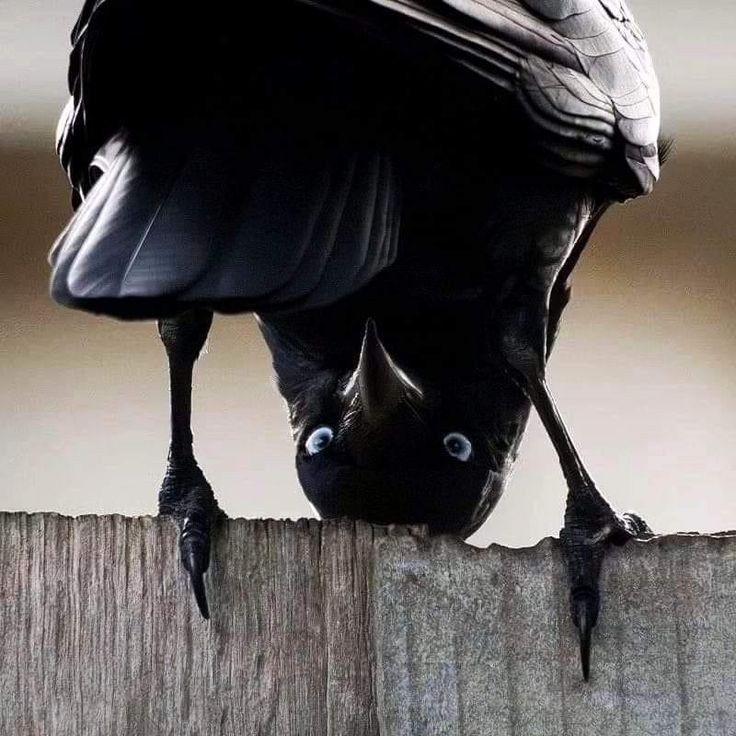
{"x": 580, "y": 69}
{"x": 97, "y": 65}
{"x": 76, "y": 144}
{"x": 187, "y": 218}
{"x": 239, "y": 214}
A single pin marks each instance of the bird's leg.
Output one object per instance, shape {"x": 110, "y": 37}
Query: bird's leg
{"x": 185, "y": 493}
{"x": 590, "y": 522}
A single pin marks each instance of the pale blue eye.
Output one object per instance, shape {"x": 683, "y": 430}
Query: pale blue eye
{"x": 319, "y": 440}
{"x": 458, "y": 445}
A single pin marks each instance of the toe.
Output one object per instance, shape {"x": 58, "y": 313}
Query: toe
{"x": 640, "y": 529}
{"x": 629, "y": 526}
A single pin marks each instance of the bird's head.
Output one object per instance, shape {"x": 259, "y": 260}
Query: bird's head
{"x": 378, "y": 444}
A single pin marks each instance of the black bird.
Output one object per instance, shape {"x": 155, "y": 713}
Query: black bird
{"x": 400, "y": 191}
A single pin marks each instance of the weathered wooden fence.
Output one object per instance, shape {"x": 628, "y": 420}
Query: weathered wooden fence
{"x": 349, "y": 630}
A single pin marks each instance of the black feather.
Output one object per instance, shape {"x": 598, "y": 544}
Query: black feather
{"x": 435, "y": 167}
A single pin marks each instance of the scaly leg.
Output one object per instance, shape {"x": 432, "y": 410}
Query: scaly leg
{"x": 185, "y": 493}
{"x": 590, "y": 522}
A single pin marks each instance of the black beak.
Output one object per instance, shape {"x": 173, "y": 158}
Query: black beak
{"x": 380, "y": 383}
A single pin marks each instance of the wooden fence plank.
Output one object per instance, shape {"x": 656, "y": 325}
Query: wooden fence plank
{"x": 475, "y": 642}
{"x": 343, "y": 629}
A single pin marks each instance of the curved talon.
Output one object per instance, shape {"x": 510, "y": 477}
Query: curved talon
{"x": 585, "y": 630}
{"x": 196, "y": 575}
{"x": 585, "y": 616}
{"x": 195, "y": 557}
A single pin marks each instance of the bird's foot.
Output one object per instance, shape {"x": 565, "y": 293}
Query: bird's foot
{"x": 591, "y": 525}
{"x": 187, "y": 496}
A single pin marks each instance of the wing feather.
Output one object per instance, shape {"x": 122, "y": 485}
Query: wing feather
{"x": 575, "y": 65}
{"x": 605, "y": 82}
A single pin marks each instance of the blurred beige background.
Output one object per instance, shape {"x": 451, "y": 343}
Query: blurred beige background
{"x": 643, "y": 371}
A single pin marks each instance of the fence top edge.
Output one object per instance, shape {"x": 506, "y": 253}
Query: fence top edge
{"x": 395, "y": 530}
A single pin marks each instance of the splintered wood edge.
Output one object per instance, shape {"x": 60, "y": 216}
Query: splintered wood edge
{"x": 347, "y": 524}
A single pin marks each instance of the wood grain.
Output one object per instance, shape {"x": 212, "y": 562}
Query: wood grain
{"x": 340, "y": 628}
{"x": 99, "y": 633}
{"x": 482, "y": 642}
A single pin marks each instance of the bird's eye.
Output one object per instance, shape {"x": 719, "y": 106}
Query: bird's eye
{"x": 458, "y": 445}
{"x": 319, "y": 440}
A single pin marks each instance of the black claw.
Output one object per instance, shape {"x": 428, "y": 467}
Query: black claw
{"x": 584, "y": 634}
{"x": 584, "y": 616}
{"x": 196, "y": 575}
{"x": 195, "y": 557}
